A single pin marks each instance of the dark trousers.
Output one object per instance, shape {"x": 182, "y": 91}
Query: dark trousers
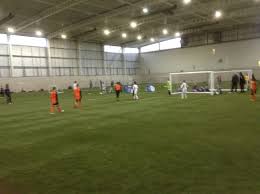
{"x": 242, "y": 87}
{"x": 234, "y": 87}
{"x": 117, "y": 93}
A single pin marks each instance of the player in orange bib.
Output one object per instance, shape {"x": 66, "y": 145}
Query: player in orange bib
{"x": 77, "y": 97}
{"x": 253, "y": 86}
{"x": 54, "y": 101}
{"x": 118, "y": 89}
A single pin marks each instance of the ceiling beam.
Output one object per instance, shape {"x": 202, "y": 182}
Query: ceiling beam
{"x": 198, "y": 25}
{"x": 111, "y": 13}
{"x": 48, "y": 12}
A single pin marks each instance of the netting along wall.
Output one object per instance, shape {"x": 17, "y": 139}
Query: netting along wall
{"x": 223, "y": 79}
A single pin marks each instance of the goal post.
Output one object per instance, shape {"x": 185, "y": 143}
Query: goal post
{"x": 207, "y": 82}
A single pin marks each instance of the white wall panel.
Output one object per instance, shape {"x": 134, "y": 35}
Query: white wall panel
{"x": 4, "y": 61}
{"x": 3, "y": 49}
{"x": 232, "y": 55}
{"x": 4, "y": 72}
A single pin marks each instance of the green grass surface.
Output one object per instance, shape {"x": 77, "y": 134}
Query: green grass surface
{"x": 158, "y": 145}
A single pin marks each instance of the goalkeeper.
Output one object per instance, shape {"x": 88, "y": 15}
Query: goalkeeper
{"x": 169, "y": 86}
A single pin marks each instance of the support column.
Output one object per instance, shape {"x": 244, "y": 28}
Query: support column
{"x": 80, "y": 72}
{"x": 123, "y": 63}
{"x": 10, "y": 52}
{"x": 103, "y": 61}
{"x": 48, "y": 59}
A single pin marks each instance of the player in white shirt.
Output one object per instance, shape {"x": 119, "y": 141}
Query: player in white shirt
{"x": 75, "y": 85}
{"x": 184, "y": 89}
{"x": 135, "y": 91}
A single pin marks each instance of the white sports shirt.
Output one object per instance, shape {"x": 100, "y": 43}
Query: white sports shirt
{"x": 184, "y": 86}
{"x": 75, "y": 85}
{"x": 135, "y": 88}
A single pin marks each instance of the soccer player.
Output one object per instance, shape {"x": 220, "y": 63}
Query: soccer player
{"x": 2, "y": 92}
{"x": 235, "y": 81}
{"x": 253, "y": 85}
{"x": 54, "y": 101}
{"x": 8, "y": 94}
{"x": 184, "y": 89}
{"x": 77, "y": 97}
{"x": 118, "y": 89}
{"x": 75, "y": 85}
{"x": 169, "y": 86}
{"x": 135, "y": 91}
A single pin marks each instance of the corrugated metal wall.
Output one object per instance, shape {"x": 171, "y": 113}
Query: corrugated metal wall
{"x": 64, "y": 58}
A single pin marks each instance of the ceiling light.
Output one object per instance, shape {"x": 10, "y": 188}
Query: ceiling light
{"x": 177, "y": 34}
{"x": 10, "y": 30}
{"x": 186, "y": 1}
{"x": 133, "y": 24}
{"x": 152, "y": 39}
{"x": 145, "y": 10}
{"x": 63, "y": 36}
{"x": 218, "y": 14}
{"x": 38, "y": 33}
{"x": 106, "y": 32}
{"x": 124, "y": 35}
{"x": 165, "y": 31}
{"x": 139, "y": 37}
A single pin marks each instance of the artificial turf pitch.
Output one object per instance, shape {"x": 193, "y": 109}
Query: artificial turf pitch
{"x": 158, "y": 145}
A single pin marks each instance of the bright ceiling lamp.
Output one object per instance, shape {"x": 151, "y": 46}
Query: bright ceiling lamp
{"x": 177, "y": 34}
{"x": 133, "y": 24}
{"x": 38, "y": 33}
{"x": 218, "y": 14}
{"x": 186, "y": 1}
{"x": 145, "y": 10}
{"x": 152, "y": 39}
{"x": 139, "y": 37}
{"x": 11, "y": 30}
{"x": 63, "y": 36}
{"x": 165, "y": 31}
{"x": 124, "y": 35}
{"x": 106, "y": 32}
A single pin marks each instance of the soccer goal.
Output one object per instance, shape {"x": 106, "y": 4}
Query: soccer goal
{"x": 200, "y": 82}
{"x": 207, "y": 82}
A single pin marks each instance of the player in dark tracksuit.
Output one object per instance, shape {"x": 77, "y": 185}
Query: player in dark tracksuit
{"x": 235, "y": 81}
{"x": 2, "y": 92}
{"x": 8, "y": 94}
{"x": 242, "y": 82}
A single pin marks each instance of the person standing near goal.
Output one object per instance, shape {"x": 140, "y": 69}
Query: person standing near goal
{"x": 169, "y": 86}
{"x": 135, "y": 91}
{"x": 184, "y": 90}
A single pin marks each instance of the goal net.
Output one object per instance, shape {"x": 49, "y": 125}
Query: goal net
{"x": 200, "y": 82}
{"x": 209, "y": 82}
